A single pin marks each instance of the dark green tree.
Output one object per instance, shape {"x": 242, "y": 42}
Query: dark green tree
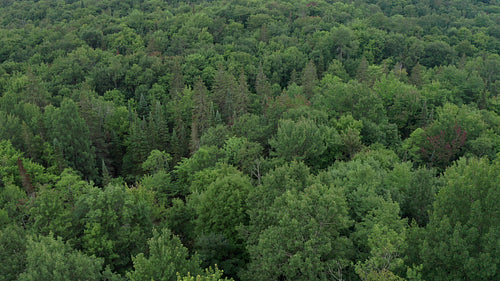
{"x": 12, "y": 251}
{"x": 70, "y": 134}
{"x": 224, "y": 93}
{"x": 309, "y": 79}
{"x": 242, "y": 99}
{"x": 202, "y": 115}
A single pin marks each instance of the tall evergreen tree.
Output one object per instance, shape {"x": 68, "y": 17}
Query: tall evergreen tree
{"x": 362, "y": 72}
{"x": 242, "y": 99}
{"x": 70, "y": 135}
{"x": 138, "y": 148}
{"x": 309, "y": 79}
{"x": 157, "y": 128}
{"x": 176, "y": 79}
{"x": 95, "y": 112}
{"x": 262, "y": 87}
{"x": 224, "y": 93}
{"x": 416, "y": 75}
{"x": 202, "y": 114}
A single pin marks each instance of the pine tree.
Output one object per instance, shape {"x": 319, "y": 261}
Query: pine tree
{"x": 242, "y": 96}
{"x": 224, "y": 93}
{"x": 138, "y": 148}
{"x": 70, "y": 134}
{"x": 362, "y": 73}
{"x": 416, "y": 75}
{"x": 309, "y": 79}
{"x": 177, "y": 79}
{"x": 142, "y": 107}
{"x": 262, "y": 86}
{"x": 179, "y": 143}
{"x": 94, "y": 112}
{"x": 202, "y": 114}
{"x": 158, "y": 127}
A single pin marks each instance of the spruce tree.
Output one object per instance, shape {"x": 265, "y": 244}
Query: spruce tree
{"x": 309, "y": 79}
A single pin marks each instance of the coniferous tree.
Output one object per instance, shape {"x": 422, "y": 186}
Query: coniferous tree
{"x": 362, "y": 73}
{"x": 224, "y": 93}
{"x": 142, "y": 107}
{"x": 157, "y": 129}
{"x": 242, "y": 97}
{"x": 262, "y": 87}
{"x": 309, "y": 79}
{"x": 138, "y": 148}
{"x": 95, "y": 112}
{"x": 176, "y": 80}
{"x": 416, "y": 75}
{"x": 70, "y": 135}
{"x": 202, "y": 114}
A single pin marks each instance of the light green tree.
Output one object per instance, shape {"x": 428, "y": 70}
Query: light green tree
{"x": 303, "y": 140}
{"x": 220, "y": 209}
{"x": 167, "y": 258}
{"x": 113, "y": 223}
{"x": 462, "y": 238}
{"x": 52, "y": 259}
{"x": 209, "y": 275}
{"x": 305, "y": 239}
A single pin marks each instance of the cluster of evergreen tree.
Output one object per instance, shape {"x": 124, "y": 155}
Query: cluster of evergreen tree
{"x": 249, "y": 140}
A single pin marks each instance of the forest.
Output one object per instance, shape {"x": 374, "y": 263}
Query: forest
{"x": 211, "y": 140}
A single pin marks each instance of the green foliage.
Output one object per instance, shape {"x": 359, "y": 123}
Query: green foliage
{"x": 167, "y": 258}
{"x": 414, "y": 190}
{"x": 243, "y": 154}
{"x": 52, "y": 211}
{"x": 255, "y": 128}
{"x": 205, "y": 157}
{"x": 180, "y": 219}
{"x": 209, "y": 275}
{"x": 157, "y": 161}
{"x": 463, "y": 229}
{"x": 289, "y": 176}
{"x": 13, "y": 162}
{"x": 304, "y": 140}
{"x": 113, "y": 223}
{"x": 386, "y": 241}
{"x": 222, "y": 206}
{"x": 13, "y": 203}
{"x": 12, "y": 252}
{"x": 68, "y": 133}
{"x": 215, "y": 136}
{"x": 202, "y": 115}
{"x": 221, "y": 120}
{"x": 220, "y": 209}
{"x": 304, "y": 240}
{"x": 456, "y": 131}
{"x": 52, "y": 259}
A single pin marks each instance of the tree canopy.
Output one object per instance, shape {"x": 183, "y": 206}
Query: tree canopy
{"x": 249, "y": 140}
